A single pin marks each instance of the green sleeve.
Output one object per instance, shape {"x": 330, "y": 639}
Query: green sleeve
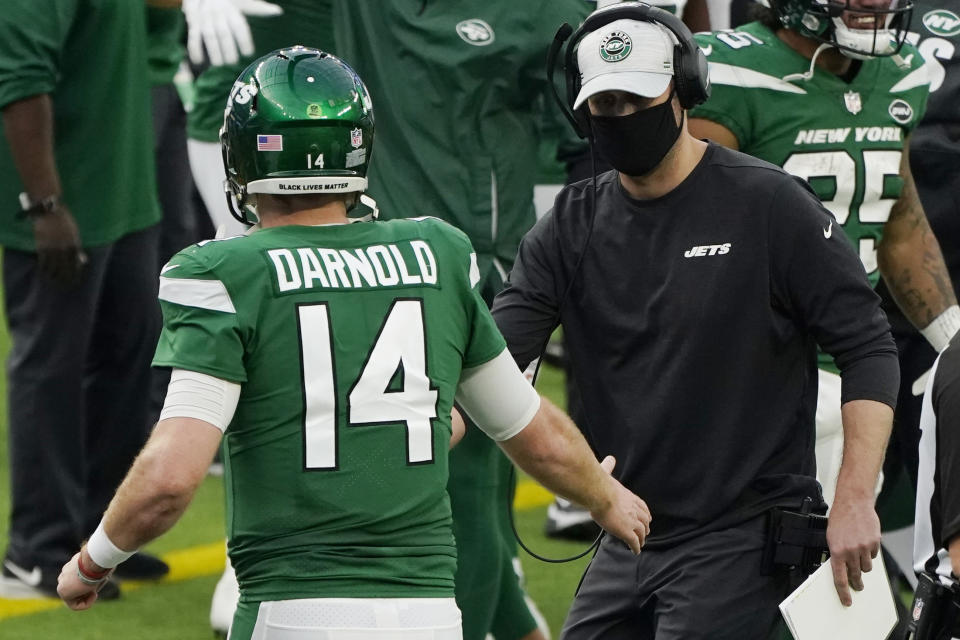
{"x": 484, "y": 340}
{"x": 919, "y": 95}
{"x": 727, "y": 104}
{"x": 32, "y": 33}
{"x": 201, "y": 330}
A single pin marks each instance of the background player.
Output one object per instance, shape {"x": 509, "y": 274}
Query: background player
{"x": 311, "y": 342}
{"x": 835, "y": 103}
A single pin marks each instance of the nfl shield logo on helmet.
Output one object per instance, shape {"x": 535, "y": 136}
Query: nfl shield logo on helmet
{"x": 356, "y": 137}
{"x": 852, "y": 101}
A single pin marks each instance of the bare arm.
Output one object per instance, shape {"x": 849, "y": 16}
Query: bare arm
{"x": 701, "y": 129}
{"x": 28, "y": 127}
{"x": 909, "y": 257}
{"x": 161, "y": 482}
{"x": 853, "y": 532}
{"x": 553, "y": 451}
{"x": 696, "y": 15}
{"x": 152, "y": 497}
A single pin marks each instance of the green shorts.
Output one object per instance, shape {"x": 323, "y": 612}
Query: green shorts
{"x": 488, "y": 589}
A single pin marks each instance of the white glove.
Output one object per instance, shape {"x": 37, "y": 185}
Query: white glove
{"x": 220, "y": 27}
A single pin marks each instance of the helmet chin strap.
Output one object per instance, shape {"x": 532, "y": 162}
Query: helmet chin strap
{"x": 808, "y": 75}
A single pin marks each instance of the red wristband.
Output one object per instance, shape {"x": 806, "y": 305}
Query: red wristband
{"x": 90, "y": 575}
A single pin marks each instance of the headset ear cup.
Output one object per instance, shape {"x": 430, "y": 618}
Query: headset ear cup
{"x": 703, "y": 78}
{"x": 680, "y": 81}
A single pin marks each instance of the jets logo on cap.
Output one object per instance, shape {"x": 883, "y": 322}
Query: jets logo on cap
{"x": 615, "y": 46}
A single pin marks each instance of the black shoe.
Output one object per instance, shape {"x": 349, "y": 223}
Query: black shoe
{"x": 570, "y": 522}
{"x": 18, "y": 582}
{"x": 109, "y": 591}
{"x": 142, "y": 566}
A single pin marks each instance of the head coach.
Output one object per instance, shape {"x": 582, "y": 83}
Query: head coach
{"x": 694, "y": 284}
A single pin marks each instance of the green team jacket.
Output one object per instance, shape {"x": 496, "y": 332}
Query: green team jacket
{"x": 459, "y": 92}
{"x": 91, "y": 57}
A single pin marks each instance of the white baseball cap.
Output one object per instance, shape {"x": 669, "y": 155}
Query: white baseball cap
{"x": 625, "y": 55}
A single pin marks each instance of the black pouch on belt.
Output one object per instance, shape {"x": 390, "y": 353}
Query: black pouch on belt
{"x": 796, "y": 541}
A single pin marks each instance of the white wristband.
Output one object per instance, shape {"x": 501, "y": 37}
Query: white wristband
{"x": 939, "y": 332}
{"x": 102, "y": 550}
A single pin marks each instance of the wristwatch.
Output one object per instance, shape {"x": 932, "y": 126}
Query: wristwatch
{"x": 31, "y": 208}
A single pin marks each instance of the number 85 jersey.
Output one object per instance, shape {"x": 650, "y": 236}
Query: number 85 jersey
{"x": 348, "y": 341}
{"x": 844, "y": 138}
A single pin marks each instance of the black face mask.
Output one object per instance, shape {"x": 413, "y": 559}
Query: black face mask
{"x": 635, "y": 144}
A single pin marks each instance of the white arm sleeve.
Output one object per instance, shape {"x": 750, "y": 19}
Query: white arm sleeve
{"x": 197, "y": 395}
{"x": 497, "y": 397}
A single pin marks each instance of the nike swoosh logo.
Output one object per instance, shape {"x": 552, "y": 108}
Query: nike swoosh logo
{"x": 168, "y": 267}
{"x": 707, "y": 50}
{"x": 31, "y": 579}
{"x": 829, "y": 230}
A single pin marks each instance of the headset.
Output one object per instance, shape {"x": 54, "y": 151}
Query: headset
{"x": 690, "y": 75}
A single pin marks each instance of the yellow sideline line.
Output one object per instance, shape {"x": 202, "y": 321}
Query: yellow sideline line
{"x": 208, "y": 559}
{"x": 193, "y": 562}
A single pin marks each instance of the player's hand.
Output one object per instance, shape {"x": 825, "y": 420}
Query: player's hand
{"x": 75, "y": 593}
{"x": 220, "y": 27}
{"x": 625, "y": 515}
{"x": 58, "y": 245}
{"x": 853, "y": 536}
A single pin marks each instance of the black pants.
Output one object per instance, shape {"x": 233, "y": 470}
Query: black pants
{"x": 709, "y": 587}
{"x": 78, "y": 379}
{"x": 180, "y": 226}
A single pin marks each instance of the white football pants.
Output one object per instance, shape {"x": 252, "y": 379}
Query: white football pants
{"x": 359, "y": 619}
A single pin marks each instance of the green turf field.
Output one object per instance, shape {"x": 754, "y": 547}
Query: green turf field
{"x": 177, "y": 608}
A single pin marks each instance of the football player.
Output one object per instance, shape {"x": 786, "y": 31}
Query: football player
{"x": 831, "y": 92}
{"x": 326, "y": 357}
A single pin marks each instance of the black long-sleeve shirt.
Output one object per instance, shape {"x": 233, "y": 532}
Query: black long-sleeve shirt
{"x": 692, "y": 325}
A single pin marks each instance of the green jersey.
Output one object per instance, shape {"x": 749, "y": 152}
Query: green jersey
{"x": 348, "y": 342}
{"x": 91, "y": 58}
{"x": 844, "y": 138}
{"x": 305, "y": 22}
{"x": 164, "y": 48}
{"x": 457, "y": 134}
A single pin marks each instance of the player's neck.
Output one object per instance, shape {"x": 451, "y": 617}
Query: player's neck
{"x": 831, "y": 60}
{"x": 274, "y": 214}
{"x": 679, "y": 162}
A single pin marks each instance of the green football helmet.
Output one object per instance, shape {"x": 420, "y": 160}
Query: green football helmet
{"x": 298, "y": 121}
{"x": 881, "y": 30}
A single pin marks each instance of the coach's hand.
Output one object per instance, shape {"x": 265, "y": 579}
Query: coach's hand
{"x": 58, "y": 245}
{"x": 220, "y": 27}
{"x": 853, "y": 535}
{"x": 624, "y": 514}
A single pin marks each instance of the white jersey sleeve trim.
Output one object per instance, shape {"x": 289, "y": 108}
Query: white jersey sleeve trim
{"x": 196, "y": 395}
{"x": 732, "y": 75}
{"x": 203, "y": 294}
{"x": 497, "y": 397}
{"x": 474, "y": 270}
{"x": 916, "y": 78}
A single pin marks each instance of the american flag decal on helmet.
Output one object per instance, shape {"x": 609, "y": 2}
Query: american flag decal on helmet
{"x": 269, "y": 143}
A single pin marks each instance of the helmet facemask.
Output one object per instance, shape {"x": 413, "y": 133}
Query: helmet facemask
{"x": 858, "y": 32}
